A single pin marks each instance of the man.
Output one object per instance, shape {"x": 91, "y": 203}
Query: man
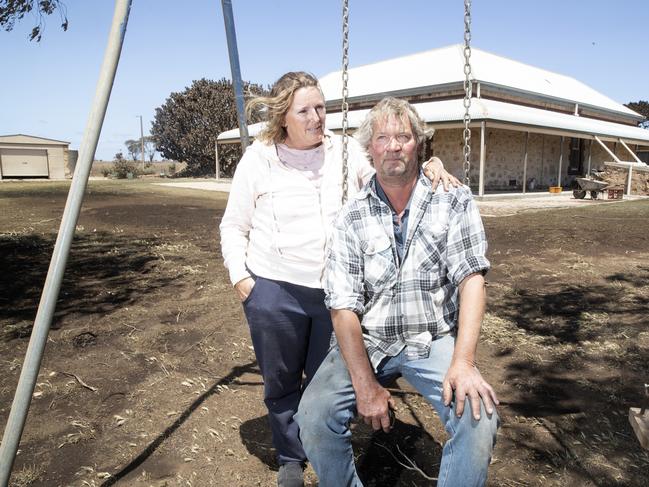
{"x": 404, "y": 282}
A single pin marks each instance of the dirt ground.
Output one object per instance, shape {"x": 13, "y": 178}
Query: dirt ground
{"x": 149, "y": 377}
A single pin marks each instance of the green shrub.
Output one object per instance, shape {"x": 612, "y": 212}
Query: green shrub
{"x": 123, "y": 167}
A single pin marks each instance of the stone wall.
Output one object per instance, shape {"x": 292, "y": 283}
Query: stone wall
{"x": 618, "y": 175}
{"x": 505, "y": 153}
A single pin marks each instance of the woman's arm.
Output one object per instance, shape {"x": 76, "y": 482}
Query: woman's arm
{"x": 237, "y": 221}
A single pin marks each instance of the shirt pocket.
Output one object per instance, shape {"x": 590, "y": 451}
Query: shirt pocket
{"x": 431, "y": 248}
{"x": 432, "y": 265}
{"x": 378, "y": 262}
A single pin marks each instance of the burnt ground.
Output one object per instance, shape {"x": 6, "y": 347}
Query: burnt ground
{"x": 149, "y": 377}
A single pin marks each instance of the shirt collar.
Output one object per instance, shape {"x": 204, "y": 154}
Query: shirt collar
{"x": 370, "y": 189}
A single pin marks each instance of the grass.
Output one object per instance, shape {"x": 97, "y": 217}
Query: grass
{"x": 27, "y": 475}
{"x": 45, "y": 188}
{"x": 154, "y": 169}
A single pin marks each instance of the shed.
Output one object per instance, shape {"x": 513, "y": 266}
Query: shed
{"x": 28, "y": 156}
{"x": 531, "y": 128}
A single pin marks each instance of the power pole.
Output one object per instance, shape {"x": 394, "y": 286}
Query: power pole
{"x": 34, "y": 354}
{"x": 233, "y": 53}
{"x": 142, "y": 142}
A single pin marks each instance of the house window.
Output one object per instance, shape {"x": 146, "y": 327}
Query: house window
{"x": 643, "y": 155}
{"x": 576, "y": 157}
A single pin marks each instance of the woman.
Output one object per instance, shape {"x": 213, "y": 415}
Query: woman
{"x": 285, "y": 194}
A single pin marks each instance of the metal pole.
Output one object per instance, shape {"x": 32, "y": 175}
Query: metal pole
{"x": 590, "y": 153}
{"x": 233, "y": 53}
{"x": 20, "y": 406}
{"x": 542, "y": 158}
{"x": 216, "y": 159}
{"x": 628, "y": 185}
{"x": 560, "y": 162}
{"x": 527, "y": 138}
{"x": 142, "y": 142}
{"x": 483, "y": 157}
{"x": 612, "y": 154}
{"x": 637, "y": 159}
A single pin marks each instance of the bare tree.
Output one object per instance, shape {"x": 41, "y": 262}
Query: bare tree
{"x": 12, "y": 11}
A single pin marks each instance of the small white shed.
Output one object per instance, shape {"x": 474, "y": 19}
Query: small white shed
{"x": 27, "y": 156}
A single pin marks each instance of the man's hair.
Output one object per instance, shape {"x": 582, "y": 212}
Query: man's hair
{"x": 391, "y": 106}
{"x": 277, "y": 104}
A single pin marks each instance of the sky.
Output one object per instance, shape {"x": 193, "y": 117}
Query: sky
{"x": 47, "y": 88}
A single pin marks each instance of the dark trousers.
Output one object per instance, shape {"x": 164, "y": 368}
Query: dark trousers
{"x": 290, "y": 329}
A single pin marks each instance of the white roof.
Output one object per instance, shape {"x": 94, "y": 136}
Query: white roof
{"x": 30, "y": 139}
{"x": 446, "y": 65}
{"x": 452, "y": 112}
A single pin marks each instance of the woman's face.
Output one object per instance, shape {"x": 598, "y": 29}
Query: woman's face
{"x": 305, "y": 119}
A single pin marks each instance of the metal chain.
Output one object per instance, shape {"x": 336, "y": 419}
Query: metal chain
{"x": 345, "y": 105}
{"x": 468, "y": 88}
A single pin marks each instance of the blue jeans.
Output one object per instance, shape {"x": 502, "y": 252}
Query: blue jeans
{"x": 329, "y": 403}
{"x": 290, "y": 329}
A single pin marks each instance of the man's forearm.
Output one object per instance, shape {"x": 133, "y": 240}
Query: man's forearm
{"x": 373, "y": 402}
{"x": 472, "y": 308}
{"x": 349, "y": 336}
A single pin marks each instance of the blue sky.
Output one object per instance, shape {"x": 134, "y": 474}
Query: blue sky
{"x": 46, "y": 88}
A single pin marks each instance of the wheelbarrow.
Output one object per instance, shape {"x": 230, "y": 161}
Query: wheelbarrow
{"x": 588, "y": 185}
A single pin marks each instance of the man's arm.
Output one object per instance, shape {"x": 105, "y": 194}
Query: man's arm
{"x": 463, "y": 376}
{"x": 373, "y": 401}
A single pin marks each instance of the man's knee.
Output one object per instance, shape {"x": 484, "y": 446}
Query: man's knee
{"x": 320, "y": 415}
{"x": 308, "y": 411}
{"x": 483, "y": 431}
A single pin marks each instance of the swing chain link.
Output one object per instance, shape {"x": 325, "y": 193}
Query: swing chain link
{"x": 345, "y": 93}
{"x": 468, "y": 88}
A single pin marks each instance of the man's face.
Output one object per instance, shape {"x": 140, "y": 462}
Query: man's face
{"x": 393, "y": 149}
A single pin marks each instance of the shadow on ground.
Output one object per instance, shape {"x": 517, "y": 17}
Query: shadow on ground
{"x": 104, "y": 272}
{"x": 577, "y": 364}
{"x": 382, "y": 459}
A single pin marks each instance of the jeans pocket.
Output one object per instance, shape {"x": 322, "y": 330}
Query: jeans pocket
{"x": 252, "y": 291}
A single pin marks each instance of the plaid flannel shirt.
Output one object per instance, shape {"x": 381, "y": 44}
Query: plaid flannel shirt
{"x": 407, "y": 304}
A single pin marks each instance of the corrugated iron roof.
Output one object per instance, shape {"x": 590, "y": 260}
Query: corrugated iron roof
{"x": 521, "y": 117}
{"x": 446, "y": 66}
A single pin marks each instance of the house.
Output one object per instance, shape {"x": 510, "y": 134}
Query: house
{"x": 530, "y": 128}
{"x": 28, "y": 156}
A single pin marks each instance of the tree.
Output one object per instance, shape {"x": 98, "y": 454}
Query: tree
{"x": 185, "y": 127}
{"x": 14, "y": 10}
{"x": 642, "y": 107}
{"x": 134, "y": 148}
{"x": 150, "y": 147}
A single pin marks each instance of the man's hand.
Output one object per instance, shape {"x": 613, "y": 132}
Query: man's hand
{"x": 373, "y": 404}
{"x": 434, "y": 170}
{"x": 465, "y": 380}
{"x": 243, "y": 288}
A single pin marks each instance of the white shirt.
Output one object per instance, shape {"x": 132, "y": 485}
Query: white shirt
{"x": 277, "y": 222}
